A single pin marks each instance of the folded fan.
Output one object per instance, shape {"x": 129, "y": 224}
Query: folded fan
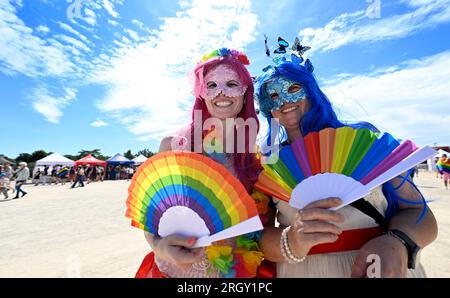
{"x": 344, "y": 162}
{"x": 189, "y": 194}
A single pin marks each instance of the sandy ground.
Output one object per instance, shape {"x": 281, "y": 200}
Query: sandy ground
{"x": 60, "y": 232}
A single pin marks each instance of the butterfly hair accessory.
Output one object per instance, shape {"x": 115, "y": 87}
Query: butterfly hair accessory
{"x": 285, "y": 53}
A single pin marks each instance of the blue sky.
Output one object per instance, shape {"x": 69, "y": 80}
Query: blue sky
{"x": 113, "y": 76}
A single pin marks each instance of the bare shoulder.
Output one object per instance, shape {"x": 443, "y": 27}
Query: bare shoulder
{"x": 166, "y": 144}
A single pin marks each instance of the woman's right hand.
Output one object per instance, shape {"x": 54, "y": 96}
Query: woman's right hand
{"x": 177, "y": 250}
{"x": 314, "y": 225}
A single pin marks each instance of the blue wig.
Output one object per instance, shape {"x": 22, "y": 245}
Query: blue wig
{"x": 320, "y": 115}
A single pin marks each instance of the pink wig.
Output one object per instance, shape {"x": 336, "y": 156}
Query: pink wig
{"x": 246, "y": 166}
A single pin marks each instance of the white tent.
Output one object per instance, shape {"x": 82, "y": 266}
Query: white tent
{"x": 140, "y": 159}
{"x": 441, "y": 152}
{"x": 55, "y": 159}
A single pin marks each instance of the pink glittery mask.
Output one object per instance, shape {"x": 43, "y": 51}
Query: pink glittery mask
{"x": 222, "y": 79}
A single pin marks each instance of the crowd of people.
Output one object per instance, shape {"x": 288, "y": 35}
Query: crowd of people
{"x": 58, "y": 174}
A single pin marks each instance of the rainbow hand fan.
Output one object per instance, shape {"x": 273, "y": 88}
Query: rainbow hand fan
{"x": 344, "y": 162}
{"x": 189, "y": 194}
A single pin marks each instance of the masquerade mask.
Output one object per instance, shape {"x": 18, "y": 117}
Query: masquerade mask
{"x": 222, "y": 79}
{"x": 282, "y": 90}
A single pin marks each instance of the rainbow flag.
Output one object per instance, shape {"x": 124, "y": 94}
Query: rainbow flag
{"x": 443, "y": 165}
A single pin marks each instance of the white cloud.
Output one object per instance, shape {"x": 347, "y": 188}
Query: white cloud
{"x": 113, "y": 23}
{"x": 91, "y": 17}
{"x": 133, "y": 34}
{"x": 409, "y": 100}
{"x": 74, "y": 42}
{"x": 140, "y": 25}
{"x": 23, "y": 52}
{"x": 49, "y": 105}
{"x": 149, "y": 92}
{"x": 357, "y": 27}
{"x": 110, "y": 8}
{"x": 69, "y": 29}
{"x": 42, "y": 29}
{"x": 99, "y": 123}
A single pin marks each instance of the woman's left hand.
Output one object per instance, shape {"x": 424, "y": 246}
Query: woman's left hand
{"x": 392, "y": 254}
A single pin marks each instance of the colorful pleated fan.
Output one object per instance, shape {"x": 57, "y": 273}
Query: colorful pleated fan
{"x": 346, "y": 163}
{"x": 188, "y": 194}
{"x": 443, "y": 165}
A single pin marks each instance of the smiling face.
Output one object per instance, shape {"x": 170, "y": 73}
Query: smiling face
{"x": 290, "y": 101}
{"x": 223, "y": 92}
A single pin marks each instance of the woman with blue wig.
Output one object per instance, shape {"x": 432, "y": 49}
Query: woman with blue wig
{"x": 379, "y": 235}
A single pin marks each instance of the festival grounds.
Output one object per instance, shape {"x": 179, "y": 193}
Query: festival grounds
{"x": 56, "y": 231}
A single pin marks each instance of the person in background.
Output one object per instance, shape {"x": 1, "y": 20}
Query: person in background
{"x": 54, "y": 177}
{"x": 92, "y": 174}
{"x": 46, "y": 175}
{"x": 72, "y": 175}
{"x": 443, "y": 166}
{"x": 37, "y": 177}
{"x": 9, "y": 172}
{"x": 80, "y": 177}
{"x": 22, "y": 174}
{"x": 101, "y": 173}
{"x": 130, "y": 172}
{"x": 4, "y": 185}
{"x": 436, "y": 160}
{"x": 118, "y": 173}
{"x": 113, "y": 173}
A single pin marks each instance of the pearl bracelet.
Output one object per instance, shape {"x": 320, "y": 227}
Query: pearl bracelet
{"x": 286, "y": 251}
{"x": 283, "y": 249}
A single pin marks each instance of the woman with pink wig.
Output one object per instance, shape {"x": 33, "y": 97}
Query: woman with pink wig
{"x": 223, "y": 90}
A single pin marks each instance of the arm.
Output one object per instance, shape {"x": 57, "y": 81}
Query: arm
{"x": 393, "y": 254}
{"x": 422, "y": 233}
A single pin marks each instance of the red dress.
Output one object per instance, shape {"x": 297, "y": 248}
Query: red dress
{"x": 148, "y": 269}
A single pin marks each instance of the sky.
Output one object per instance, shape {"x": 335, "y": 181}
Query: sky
{"x": 111, "y": 74}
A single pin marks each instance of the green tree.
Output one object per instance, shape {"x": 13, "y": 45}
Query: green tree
{"x": 26, "y": 157}
{"x": 146, "y": 152}
{"x": 129, "y": 155}
{"x": 83, "y": 153}
{"x": 39, "y": 154}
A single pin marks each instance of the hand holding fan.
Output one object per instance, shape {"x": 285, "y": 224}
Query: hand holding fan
{"x": 189, "y": 194}
{"x": 346, "y": 163}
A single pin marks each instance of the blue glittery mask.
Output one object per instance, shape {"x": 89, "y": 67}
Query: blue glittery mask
{"x": 278, "y": 90}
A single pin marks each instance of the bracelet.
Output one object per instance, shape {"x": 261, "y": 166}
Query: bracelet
{"x": 286, "y": 251}
{"x": 283, "y": 250}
